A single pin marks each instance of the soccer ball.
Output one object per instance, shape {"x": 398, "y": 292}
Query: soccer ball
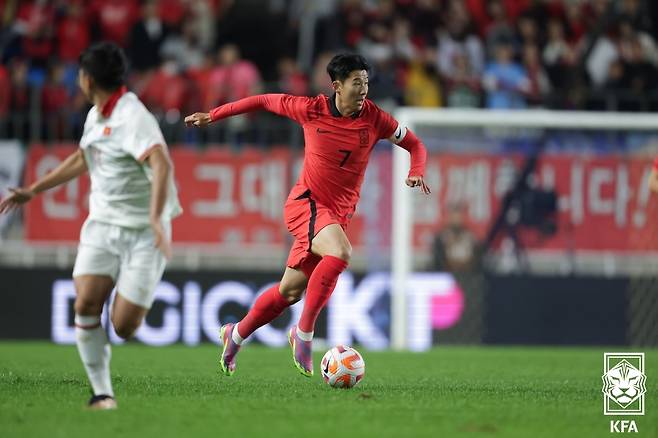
{"x": 342, "y": 367}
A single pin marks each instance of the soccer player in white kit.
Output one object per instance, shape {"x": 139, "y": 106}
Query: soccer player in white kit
{"x": 125, "y": 240}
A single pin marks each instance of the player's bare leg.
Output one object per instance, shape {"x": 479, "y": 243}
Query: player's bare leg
{"x": 126, "y": 316}
{"x": 266, "y": 308}
{"x": 93, "y": 345}
{"x": 332, "y": 241}
{"x": 332, "y": 245}
{"x": 293, "y": 284}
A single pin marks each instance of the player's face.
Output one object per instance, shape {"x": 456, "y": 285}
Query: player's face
{"x": 353, "y": 90}
{"x": 84, "y": 82}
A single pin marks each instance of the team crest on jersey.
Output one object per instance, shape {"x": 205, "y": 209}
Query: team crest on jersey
{"x": 107, "y": 131}
{"x": 363, "y": 136}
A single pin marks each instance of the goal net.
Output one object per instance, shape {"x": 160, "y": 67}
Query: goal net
{"x": 545, "y": 192}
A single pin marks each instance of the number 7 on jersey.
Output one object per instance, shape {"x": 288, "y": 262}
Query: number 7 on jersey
{"x": 347, "y": 156}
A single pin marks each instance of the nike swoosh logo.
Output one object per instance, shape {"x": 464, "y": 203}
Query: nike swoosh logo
{"x": 322, "y": 131}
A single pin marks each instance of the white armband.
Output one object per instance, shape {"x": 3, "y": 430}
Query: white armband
{"x": 399, "y": 134}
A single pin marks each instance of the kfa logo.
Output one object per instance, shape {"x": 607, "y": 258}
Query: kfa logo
{"x": 624, "y": 386}
{"x": 624, "y": 383}
{"x": 621, "y": 426}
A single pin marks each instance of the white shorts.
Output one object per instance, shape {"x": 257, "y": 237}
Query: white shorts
{"x": 128, "y": 255}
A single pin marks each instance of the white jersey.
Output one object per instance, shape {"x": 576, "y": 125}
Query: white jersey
{"x": 116, "y": 141}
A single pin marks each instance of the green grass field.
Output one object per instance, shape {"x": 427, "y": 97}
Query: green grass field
{"x": 449, "y": 391}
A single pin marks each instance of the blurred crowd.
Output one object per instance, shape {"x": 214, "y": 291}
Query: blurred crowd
{"x": 188, "y": 55}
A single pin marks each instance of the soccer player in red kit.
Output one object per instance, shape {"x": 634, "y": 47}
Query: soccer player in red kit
{"x": 339, "y": 132}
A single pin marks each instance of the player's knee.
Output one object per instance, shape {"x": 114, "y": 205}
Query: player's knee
{"x": 124, "y": 329}
{"x": 292, "y": 299}
{"x": 343, "y": 252}
{"x": 291, "y": 294}
{"x": 86, "y": 307}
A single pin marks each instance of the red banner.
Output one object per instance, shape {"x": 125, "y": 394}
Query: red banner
{"x": 56, "y": 214}
{"x": 232, "y": 198}
{"x": 226, "y": 197}
{"x": 604, "y": 202}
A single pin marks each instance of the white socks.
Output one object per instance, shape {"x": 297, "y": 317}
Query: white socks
{"x": 236, "y": 336}
{"x": 304, "y": 336}
{"x": 94, "y": 349}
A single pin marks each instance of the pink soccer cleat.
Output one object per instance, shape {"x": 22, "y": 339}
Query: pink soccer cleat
{"x": 229, "y": 351}
{"x": 301, "y": 353}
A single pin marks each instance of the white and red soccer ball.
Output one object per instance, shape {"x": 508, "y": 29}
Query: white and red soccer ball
{"x": 342, "y": 367}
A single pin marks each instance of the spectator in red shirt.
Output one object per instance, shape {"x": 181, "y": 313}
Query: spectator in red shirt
{"x": 32, "y": 16}
{"x": 54, "y": 101}
{"x": 233, "y": 78}
{"x": 72, "y": 33}
{"x": 575, "y": 26}
{"x": 34, "y": 22}
{"x": 198, "y": 82}
{"x": 166, "y": 91}
{"x": 115, "y": 18}
{"x": 170, "y": 11}
{"x": 5, "y": 92}
{"x": 54, "y": 95}
{"x": 20, "y": 92}
{"x": 19, "y": 100}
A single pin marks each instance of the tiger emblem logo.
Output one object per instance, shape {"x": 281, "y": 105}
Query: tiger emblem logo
{"x": 624, "y": 383}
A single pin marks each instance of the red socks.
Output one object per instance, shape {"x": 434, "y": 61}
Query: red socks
{"x": 271, "y": 303}
{"x": 319, "y": 289}
{"x": 266, "y": 308}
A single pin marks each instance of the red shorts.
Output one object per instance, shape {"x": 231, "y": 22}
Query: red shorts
{"x": 304, "y": 218}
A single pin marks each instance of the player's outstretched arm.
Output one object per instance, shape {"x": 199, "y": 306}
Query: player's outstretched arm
{"x": 293, "y": 107}
{"x": 73, "y": 166}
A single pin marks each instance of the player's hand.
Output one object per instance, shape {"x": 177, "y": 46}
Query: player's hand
{"x": 417, "y": 181}
{"x": 18, "y": 197}
{"x": 161, "y": 240}
{"x": 198, "y": 119}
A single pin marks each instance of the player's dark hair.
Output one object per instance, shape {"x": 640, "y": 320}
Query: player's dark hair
{"x": 340, "y": 66}
{"x": 106, "y": 63}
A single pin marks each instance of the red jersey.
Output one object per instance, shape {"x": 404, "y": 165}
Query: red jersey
{"x": 337, "y": 148}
